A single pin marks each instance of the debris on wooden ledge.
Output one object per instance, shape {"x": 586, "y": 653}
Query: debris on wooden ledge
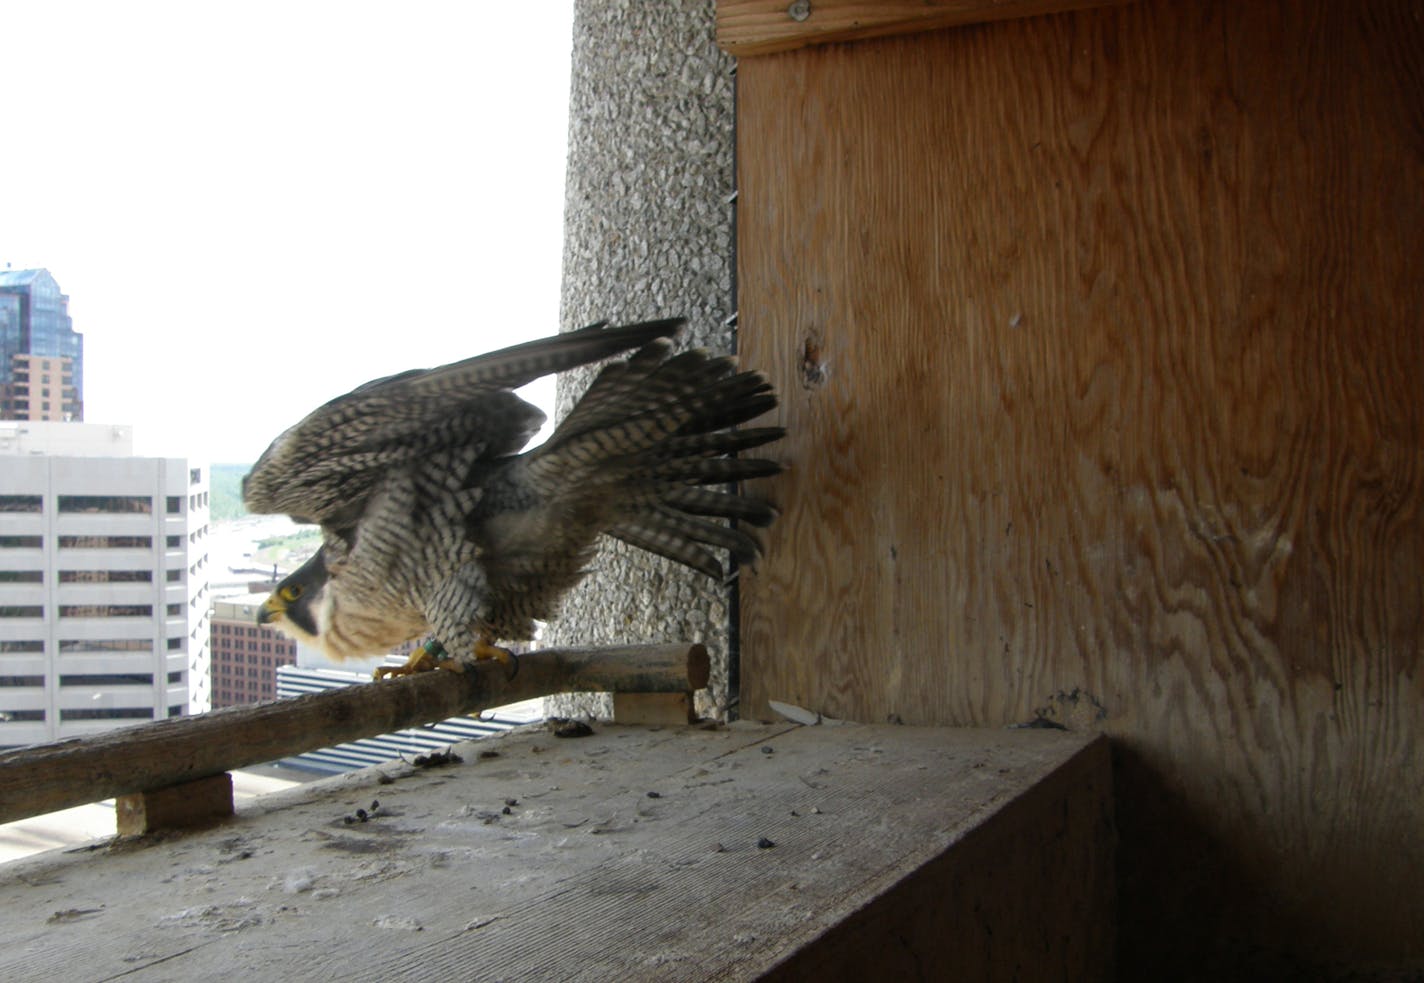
{"x": 551, "y": 859}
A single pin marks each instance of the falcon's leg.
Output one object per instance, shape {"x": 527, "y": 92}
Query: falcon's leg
{"x": 428, "y": 657}
{"x": 485, "y": 648}
{"x": 452, "y": 612}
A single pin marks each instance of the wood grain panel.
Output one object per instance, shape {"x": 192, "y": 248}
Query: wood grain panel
{"x": 760, "y": 27}
{"x": 1102, "y": 342}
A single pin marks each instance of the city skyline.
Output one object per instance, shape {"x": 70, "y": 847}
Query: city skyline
{"x": 41, "y": 355}
{"x": 254, "y": 209}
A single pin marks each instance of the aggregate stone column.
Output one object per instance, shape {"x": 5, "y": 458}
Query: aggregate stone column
{"x": 647, "y": 233}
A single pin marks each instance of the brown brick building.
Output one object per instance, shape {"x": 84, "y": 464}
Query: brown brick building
{"x": 245, "y": 656}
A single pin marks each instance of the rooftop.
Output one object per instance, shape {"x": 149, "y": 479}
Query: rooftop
{"x": 20, "y": 278}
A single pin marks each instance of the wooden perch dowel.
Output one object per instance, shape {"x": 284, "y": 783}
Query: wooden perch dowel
{"x": 47, "y": 777}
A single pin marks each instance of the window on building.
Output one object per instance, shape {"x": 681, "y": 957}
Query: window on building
{"x": 81, "y": 646}
{"x": 175, "y": 542}
{"x": 21, "y": 576}
{"x": 175, "y": 644}
{"x": 175, "y": 576}
{"x": 175, "y": 677}
{"x": 108, "y": 713}
{"x": 175, "y": 504}
{"x": 21, "y": 503}
{"x": 106, "y": 610}
{"x": 21, "y": 542}
{"x": 105, "y": 576}
{"x": 22, "y": 680}
{"x": 176, "y": 711}
{"x": 123, "y": 504}
{"x": 21, "y": 610}
{"x": 195, "y": 475}
{"x": 107, "y": 679}
{"x": 105, "y": 542}
{"x": 21, "y": 645}
{"x": 21, "y": 716}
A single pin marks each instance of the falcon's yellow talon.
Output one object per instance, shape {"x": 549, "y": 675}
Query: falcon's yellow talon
{"x": 427, "y": 658}
{"x": 485, "y": 651}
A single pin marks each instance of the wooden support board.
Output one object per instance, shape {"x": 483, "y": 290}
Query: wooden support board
{"x": 1100, "y": 341}
{"x": 198, "y": 803}
{"x": 654, "y": 708}
{"x": 760, "y": 27}
{"x": 634, "y": 854}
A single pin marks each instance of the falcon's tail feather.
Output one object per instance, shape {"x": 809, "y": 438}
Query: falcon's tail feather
{"x": 650, "y": 434}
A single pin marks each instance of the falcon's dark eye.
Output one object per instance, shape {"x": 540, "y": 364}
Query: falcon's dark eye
{"x": 291, "y": 592}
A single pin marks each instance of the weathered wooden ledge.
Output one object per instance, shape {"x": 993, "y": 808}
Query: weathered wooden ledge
{"x": 742, "y": 852}
{"x": 46, "y": 777}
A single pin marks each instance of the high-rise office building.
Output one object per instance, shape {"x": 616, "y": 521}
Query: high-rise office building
{"x": 41, "y": 355}
{"x": 103, "y": 584}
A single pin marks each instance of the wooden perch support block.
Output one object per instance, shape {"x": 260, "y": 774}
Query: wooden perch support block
{"x": 192, "y": 804}
{"x": 47, "y": 777}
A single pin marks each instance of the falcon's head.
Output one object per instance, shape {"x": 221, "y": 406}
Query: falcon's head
{"x": 296, "y": 605}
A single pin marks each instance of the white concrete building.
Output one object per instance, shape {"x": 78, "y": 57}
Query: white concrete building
{"x": 40, "y": 437}
{"x": 103, "y": 586}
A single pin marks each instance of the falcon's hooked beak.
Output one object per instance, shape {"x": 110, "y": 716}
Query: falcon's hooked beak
{"x": 272, "y": 609}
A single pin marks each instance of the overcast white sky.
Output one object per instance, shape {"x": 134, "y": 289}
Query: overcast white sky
{"x": 256, "y": 206}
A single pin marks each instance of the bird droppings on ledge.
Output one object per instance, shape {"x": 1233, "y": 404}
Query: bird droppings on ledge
{"x": 403, "y": 923}
{"x": 361, "y": 815}
{"x": 594, "y": 828}
{"x": 564, "y": 727}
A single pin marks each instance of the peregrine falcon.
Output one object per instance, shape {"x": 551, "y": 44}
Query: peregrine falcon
{"x": 434, "y": 522}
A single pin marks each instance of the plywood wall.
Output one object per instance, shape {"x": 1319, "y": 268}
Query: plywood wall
{"x": 1102, "y": 343}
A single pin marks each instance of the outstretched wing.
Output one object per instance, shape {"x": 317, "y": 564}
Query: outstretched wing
{"x": 324, "y": 468}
